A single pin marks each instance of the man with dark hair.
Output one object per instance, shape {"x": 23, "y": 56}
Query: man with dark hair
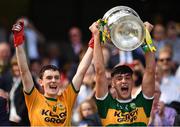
{"x": 49, "y": 109}
{"x": 123, "y": 111}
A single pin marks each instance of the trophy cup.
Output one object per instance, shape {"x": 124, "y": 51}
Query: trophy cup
{"x": 123, "y": 26}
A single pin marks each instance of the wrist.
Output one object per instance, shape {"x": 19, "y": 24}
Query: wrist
{"x": 91, "y": 42}
{"x": 96, "y": 34}
{"x": 18, "y": 40}
{"x": 145, "y": 48}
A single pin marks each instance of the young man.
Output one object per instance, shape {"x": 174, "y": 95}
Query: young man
{"x": 123, "y": 111}
{"x": 49, "y": 109}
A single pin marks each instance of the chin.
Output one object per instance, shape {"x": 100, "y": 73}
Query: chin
{"x": 125, "y": 97}
{"x": 53, "y": 93}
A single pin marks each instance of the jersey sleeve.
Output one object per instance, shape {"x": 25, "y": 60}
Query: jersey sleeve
{"x": 145, "y": 102}
{"x": 31, "y": 97}
{"x": 103, "y": 104}
{"x": 70, "y": 94}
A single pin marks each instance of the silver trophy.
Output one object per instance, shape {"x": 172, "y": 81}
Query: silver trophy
{"x": 125, "y": 27}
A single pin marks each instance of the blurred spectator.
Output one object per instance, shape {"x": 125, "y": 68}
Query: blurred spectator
{"x": 123, "y": 57}
{"x": 3, "y": 34}
{"x": 173, "y": 40}
{"x": 177, "y": 120}
{"x": 161, "y": 115}
{"x": 71, "y": 51}
{"x": 177, "y": 73}
{"x": 18, "y": 114}
{"x": 54, "y": 54}
{"x": 138, "y": 69}
{"x": 138, "y": 66}
{"x": 35, "y": 66}
{"x": 4, "y": 118}
{"x": 159, "y": 36}
{"x": 75, "y": 45}
{"x": 33, "y": 37}
{"x": 169, "y": 85}
{"x": 12, "y": 84}
{"x": 88, "y": 114}
{"x": 5, "y": 54}
{"x": 75, "y": 37}
{"x": 136, "y": 89}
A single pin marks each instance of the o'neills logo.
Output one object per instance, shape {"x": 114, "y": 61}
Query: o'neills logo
{"x": 54, "y": 118}
{"x": 126, "y": 116}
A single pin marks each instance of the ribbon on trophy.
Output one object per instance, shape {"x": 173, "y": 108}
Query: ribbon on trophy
{"x": 148, "y": 44}
{"x": 104, "y": 31}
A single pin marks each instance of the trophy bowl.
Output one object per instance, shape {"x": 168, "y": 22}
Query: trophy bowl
{"x": 126, "y": 29}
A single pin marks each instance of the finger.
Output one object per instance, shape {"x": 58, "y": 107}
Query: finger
{"x": 17, "y": 27}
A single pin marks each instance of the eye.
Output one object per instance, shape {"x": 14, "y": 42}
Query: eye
{"x": 57, "y": 77}
{"x": 49, "y": 77}
{"x": 128, "y": 77}
{"x": 119, "y": 78}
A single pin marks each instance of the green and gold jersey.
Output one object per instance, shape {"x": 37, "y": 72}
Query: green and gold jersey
{"x": 44, "y": 111}
{"x": 133, "y": 112}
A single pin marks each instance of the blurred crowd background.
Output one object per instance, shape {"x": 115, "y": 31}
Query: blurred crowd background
{"x": 56, "y": 32}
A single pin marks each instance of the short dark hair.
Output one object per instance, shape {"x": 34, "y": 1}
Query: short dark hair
{"x": 47, "y": 67}
{"x": 121, "y": 69}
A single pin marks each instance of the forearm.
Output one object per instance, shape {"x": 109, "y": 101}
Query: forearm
{"x": 21, "y": 58}
{"x": 82, "y": 68}
{"x": 148, "y": 84}
{"x": 85, "y": 62}
{"x": 150, "y": 60}
{"x": 101, "y": 81}
{"x": 98, "y": 55}
{"x": 24, "y": 70}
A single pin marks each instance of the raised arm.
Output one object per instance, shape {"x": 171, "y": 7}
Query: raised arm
{"x": 18, "y": 32}
{"x": 148, "y": 83}
{"x": 101, "y": 80}
{"x": 83, "y": 66}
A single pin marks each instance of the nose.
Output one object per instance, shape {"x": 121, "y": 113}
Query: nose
{"x": 123, "y": 80}
{"x": 53, "y": 79}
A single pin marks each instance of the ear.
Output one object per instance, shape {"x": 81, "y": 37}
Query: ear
{"x": 40, "y": 81}
{"x": 112, "y": 82}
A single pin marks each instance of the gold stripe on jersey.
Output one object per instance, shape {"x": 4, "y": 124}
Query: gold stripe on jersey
{"x": 117, "y": 117}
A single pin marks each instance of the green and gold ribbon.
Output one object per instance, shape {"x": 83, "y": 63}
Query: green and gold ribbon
{"x": 148, "y": 44}
{"x": 104, "y": 32}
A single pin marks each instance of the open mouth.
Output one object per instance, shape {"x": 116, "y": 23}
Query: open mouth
{"x": 124, "y": 89}
{"x": 53, "y": 87}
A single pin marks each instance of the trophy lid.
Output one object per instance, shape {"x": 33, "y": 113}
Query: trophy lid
{"x": 113, "y": 14}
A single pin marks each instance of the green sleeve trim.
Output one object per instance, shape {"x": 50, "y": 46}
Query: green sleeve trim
{"x": 30, "y": 91}
{"x": 76, "y": 91}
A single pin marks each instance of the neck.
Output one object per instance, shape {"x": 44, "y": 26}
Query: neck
{"x": 124, "y": 99}
{"x": 166, "y": 73}
{"x": 50, "y": 96}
